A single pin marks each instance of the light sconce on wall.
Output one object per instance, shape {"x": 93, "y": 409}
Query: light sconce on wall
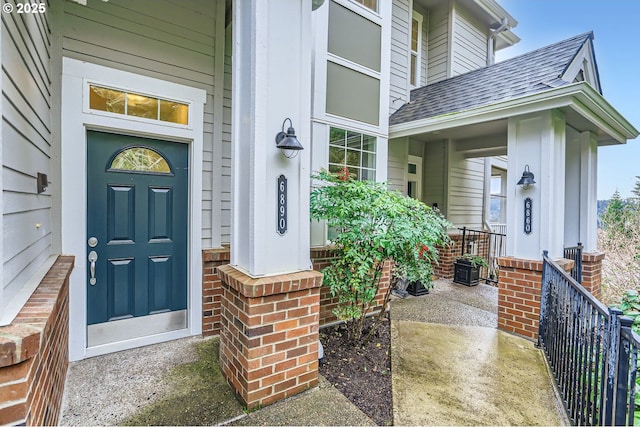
{"x": 287, "y": 141}
{"x": 526, "y": 181}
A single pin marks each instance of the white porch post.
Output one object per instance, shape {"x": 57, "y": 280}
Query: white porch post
{"x": 537, "y": 140}
{"x": 271, "y": 82}
{"x": 588, "y": 191}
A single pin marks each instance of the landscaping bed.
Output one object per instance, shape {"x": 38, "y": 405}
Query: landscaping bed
{"x": 361, "y": 373}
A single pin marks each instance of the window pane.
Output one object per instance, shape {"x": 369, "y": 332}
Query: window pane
{"x": 104, "y": 99}
{"x": 414, "y": 35}
{"x": 335, "y": 168}
{"x": 496, "y": 184}
{"x": 140, "y": 159}
{"x": 368, "y": 143}
{"x": 368, "y": 174}
{"x": 354, "y": 140}
{"x": 174, "y": 112}
{"x": 371, "y": 4}
{"x": 353, "y": 158}
{"x": 336, "y": 155}
{"x": 412, "y": 168}
{"x": 336, "y": 136}
{"x": 142, "y": 106}
{"x": 368, "y": 160}
{"x": 413, "y": 70}
{"x": 354, "y": 173}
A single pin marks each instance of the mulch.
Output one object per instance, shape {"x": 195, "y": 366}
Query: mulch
{"x": 361, "y": 373}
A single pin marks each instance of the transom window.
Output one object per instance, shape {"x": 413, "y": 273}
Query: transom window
{"x": 371, "y": 4}
{"x": 353, "y": 150}
{"x": 134, "y": 104}
{"x": 140, "y": 159}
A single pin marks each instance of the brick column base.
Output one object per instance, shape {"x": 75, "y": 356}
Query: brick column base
{"x": 519, "y": 284}
{"x": 592, "y": 272}
{"x": 212, "y": 288}
{"x": 269, "y": 334}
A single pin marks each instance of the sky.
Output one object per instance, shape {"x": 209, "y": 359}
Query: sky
{"x": 616, "y": 27}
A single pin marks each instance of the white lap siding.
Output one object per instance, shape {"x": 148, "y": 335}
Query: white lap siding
{"x": 26, "y": 148}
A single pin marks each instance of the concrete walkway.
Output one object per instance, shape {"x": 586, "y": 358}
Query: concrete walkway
{"x": 450, "y": 367}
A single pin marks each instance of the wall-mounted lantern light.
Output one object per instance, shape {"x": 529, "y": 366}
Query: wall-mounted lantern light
{"x": 287, "y": 141}
{"x": 526, "y": 181}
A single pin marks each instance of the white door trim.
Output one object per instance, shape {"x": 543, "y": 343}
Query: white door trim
{"x": 417, "y": 176}
{"x": 76, "y": 120}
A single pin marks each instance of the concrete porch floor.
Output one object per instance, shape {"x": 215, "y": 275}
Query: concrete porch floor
{"x": 450, "y": 367}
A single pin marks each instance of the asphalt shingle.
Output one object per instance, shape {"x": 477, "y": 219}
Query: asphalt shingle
{"x": 526, "y": 74}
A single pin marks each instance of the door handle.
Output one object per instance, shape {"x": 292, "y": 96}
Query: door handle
{"x": 93, "y": 257}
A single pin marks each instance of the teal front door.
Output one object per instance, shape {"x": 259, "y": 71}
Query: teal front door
{"x": 137, "y": 210}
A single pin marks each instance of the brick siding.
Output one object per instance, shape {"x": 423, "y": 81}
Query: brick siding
{"x": 269, "y": 334}
{"x": 519, "y": 285}
{"x": 34, "y": 352}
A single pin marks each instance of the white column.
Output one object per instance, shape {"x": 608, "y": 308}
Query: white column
{"x": 589, "y": 191}
{"x": 271, "y": 82}
{"x": 537, "y": 140}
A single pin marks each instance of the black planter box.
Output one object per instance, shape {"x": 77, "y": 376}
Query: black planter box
{"x": 465, "y": 274}
{"x": 416, "y": 289}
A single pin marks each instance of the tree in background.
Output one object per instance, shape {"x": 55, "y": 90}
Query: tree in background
{"x": 619, "y": 239}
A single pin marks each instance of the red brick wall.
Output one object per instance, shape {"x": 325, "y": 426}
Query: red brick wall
{"x": 592, "y": 272}
{"x": 321, "y": 258}
{"x": 212, "y": 288}
{"x": 269, "y": 334}
{"x": 447, "y": 256}
{"x": 34, "y": 352}
{"x": 519, "y": 284}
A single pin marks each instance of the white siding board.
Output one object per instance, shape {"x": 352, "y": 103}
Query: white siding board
{"x": 24, "y": 265}
{"x": 35, "y": 55}
{"x": 397, "y": 161}
{"x": 438, "y": 44}
{"x": 399, "y": 78}
{"x": 433, "y": 170}
{"x": 20, "y": 154}
{"x": 469, "y": 47}
{"x": 466, "y": 190}
{"x": 26, "y": 147}
{"x": 30, "y": 126}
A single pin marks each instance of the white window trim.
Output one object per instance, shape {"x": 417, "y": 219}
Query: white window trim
{"x": 75, "y": 122}
{"x": 418, "y": 17}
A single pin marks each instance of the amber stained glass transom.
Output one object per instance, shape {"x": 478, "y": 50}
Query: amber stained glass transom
{"x": 137, "y": 105}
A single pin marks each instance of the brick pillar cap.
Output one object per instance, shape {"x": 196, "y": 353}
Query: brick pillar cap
{"x": 252, "y": 287}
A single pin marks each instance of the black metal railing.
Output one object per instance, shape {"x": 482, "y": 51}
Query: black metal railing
{"x": 575, "y": 253}
{"x": 591, "y": 350}
{"x": 487, "y": 245}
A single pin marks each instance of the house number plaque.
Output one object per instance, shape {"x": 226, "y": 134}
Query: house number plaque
{"x": 527, "y": 215}
{"x": 282, "y": 205}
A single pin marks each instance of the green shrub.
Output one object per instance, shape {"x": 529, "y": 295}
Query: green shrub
{"x": 373, "y": 225}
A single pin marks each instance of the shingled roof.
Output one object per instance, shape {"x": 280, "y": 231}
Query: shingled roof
{"x": 526, "y": 74}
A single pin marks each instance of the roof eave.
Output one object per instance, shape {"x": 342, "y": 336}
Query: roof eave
{"x": 581, "y": 97}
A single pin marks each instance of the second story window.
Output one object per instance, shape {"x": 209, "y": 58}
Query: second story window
{"x": 371, "y": 4}
{"x": 416, "y": 48}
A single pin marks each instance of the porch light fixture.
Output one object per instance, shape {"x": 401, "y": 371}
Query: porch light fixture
{"x": 526, "y": 181}
{"x": 287, "y": 141}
